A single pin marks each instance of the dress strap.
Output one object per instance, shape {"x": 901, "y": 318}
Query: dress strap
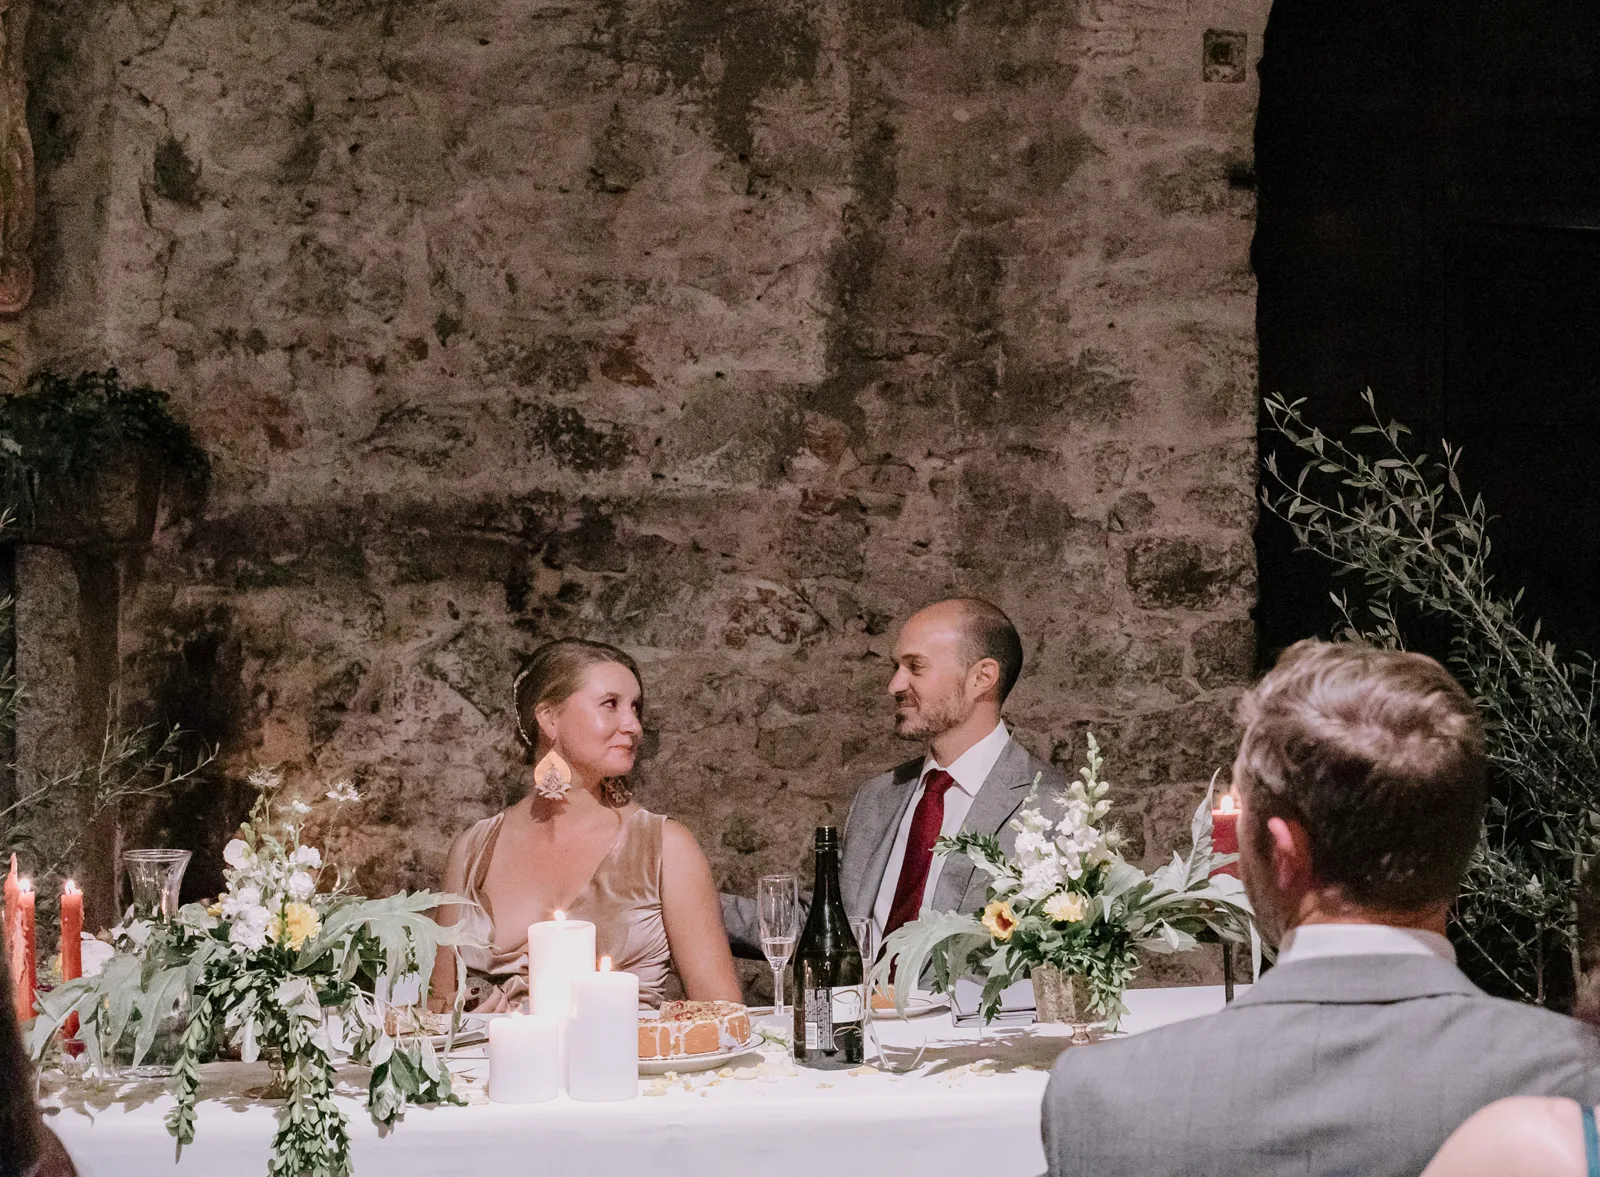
{"x": 1591, "y": 1141}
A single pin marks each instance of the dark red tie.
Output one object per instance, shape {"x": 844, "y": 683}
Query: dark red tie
{"x": 925, "y": 824}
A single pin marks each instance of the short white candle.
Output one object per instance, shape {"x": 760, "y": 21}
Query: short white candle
{"x": 603, "y": 1036}
{"x": 524, "y": 1059}
{"x": 558, "y": 950}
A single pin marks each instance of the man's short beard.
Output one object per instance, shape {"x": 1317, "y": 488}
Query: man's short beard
{"x": 930, "y": 720}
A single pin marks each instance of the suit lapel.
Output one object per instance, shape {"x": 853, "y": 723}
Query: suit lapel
{"x": 873, "y": 824}
{"x": 1003, "y": 792}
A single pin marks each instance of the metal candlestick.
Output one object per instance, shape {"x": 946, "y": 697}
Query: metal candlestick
{"x": 1227, "y": 971}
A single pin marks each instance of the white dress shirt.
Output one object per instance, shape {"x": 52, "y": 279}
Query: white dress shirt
{"x": 969, "y": 770}
{"x": 1310, "y": 941}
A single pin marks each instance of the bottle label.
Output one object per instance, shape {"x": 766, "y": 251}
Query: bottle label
{"x": 830, "y": 1009}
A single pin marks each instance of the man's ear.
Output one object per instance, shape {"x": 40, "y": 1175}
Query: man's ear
{"x": 984, "y": 677}
{"x": 1291, "y": 854}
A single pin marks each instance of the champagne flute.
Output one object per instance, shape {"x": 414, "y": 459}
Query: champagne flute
{"x": 861, "y": 925}
{"x": 778, "y": 902}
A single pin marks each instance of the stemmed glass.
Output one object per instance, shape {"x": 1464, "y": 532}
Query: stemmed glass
{"x": 778, "y": 902}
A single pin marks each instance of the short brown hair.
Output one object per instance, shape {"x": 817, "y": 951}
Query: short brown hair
{"x": 1379, "y": 755}
{"x": 554, "y": 672}
{"x": 990, "y": 634}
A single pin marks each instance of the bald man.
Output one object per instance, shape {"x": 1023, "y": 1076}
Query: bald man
{"x": 955, "y": 663}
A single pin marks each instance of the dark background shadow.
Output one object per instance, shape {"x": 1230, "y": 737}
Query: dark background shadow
{"x": 1429, "y": 226}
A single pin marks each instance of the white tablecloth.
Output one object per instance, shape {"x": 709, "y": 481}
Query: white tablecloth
{"x": 970, "y": 1110}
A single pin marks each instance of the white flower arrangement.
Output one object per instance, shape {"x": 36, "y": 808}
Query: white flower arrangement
{"x": 264, "y": 965}
{"x": 1067, "y": 898}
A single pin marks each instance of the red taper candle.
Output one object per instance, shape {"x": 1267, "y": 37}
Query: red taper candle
{"x": 71, "y": 944}
{"x": 25, "y": 970}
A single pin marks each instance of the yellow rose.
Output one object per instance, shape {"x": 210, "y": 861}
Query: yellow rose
{"x": 1064, "y": 907}
{"x": 300, "y": 923}
{"x": 1000, "y": 920}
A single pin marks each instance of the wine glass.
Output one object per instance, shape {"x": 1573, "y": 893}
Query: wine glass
{"x": 778, "y": 902}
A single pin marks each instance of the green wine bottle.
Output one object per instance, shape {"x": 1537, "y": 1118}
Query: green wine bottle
{"x": 830, "y": 997}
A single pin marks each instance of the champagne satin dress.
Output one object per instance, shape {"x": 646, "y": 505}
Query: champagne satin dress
{"x": 622, "y": 900}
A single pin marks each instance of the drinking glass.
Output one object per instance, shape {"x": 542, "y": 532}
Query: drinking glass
{"x": 778, "y": 902}
{"x": 861, "y": 925}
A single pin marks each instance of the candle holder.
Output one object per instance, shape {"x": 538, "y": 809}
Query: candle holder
{"x": 155, "y": 877}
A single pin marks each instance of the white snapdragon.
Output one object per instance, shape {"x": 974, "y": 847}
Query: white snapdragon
{"x": 251, "y": 928}
{"x": 238, "y": 854}
{"x": 307, "y": 856}
{"x": 301, "y": 886}
{"x": 239, "y": 900}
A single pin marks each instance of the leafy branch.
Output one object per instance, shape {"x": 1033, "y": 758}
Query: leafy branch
{"x": 1386, "y": 512}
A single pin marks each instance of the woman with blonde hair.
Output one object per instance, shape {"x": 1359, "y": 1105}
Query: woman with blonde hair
{"x": 579, "y": 844}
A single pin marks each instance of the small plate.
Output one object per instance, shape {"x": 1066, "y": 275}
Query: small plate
{"x": 474, "y": 1031}
{"x": 916, "y": 1007}
{"x": 684, "y": 1063}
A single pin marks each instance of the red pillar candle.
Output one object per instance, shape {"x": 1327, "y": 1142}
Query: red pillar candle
{"x": 24, "y": 971}
{"x": 1225, "y": 833}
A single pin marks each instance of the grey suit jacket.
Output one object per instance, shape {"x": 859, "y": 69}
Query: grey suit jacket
{"x": 1358, "y": 1065}
{"x": 874, "y": 818}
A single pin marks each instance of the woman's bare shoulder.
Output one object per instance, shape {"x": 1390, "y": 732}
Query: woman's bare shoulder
{"x": 676, "y": 838}
{"x": 1522, "y": 1136}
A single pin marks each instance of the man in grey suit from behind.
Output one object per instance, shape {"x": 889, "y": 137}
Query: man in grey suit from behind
{"x": 955, "y": 663}
{"x": 1360, "y": 782}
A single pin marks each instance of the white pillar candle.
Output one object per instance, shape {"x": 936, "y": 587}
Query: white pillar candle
{"x": 558, "y": 951}
{"x": 524, "y": 1058}
{"x": 603, "y": 1036}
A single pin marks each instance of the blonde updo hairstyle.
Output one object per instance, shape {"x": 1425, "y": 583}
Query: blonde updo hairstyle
{"x": 553, "y": 674}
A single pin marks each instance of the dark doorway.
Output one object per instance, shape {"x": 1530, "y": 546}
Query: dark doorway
{"x": 1429, "y": 226}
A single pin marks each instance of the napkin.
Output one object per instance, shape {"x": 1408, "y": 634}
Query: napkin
{"x": 1016, "y": 1003}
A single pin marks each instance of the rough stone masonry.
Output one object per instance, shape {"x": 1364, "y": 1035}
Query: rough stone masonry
{"x": 730, "y": 331}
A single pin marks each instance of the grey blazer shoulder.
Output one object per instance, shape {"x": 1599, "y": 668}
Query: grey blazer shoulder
{"x": 881, "y": 804}
{"x": 1346, "y": 1065}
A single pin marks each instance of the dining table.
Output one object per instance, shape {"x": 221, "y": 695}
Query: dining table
{"x": 934, "y": 1098}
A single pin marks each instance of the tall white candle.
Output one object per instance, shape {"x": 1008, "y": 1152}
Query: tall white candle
{"x": 524, "y": 1058}
{"x": 603, "y": 1036}
{"x": 558, "y": 951}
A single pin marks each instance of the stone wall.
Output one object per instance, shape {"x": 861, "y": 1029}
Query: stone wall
{"x": 727, "y": 330}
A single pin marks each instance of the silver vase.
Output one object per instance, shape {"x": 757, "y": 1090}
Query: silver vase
{"x": 1063, "y": 998}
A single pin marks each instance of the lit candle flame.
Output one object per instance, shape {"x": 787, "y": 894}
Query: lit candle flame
{"x": 605, "y": 964}
{"x": 70, "y": 887}
{"x": 25, "y": 884}
{"x": 561, "y": 916}
{"x": 1227, "y": 803}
